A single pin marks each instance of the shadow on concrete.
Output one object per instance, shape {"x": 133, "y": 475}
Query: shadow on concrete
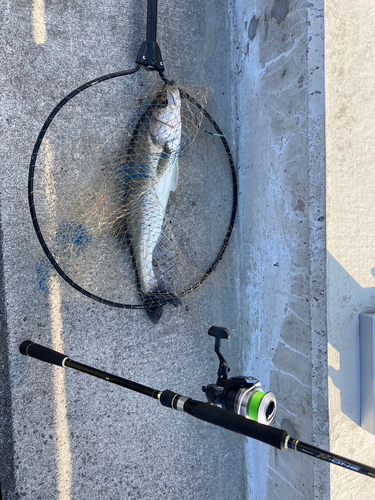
{"x": 7, "y": 469}
{"x": 346, "y": 300}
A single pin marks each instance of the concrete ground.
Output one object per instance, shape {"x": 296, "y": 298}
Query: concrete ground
{"x": 305, "y": 121}
{"x": 64, "y": 435}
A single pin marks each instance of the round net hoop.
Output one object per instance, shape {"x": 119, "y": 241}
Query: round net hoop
{"x": 209, "y": 270}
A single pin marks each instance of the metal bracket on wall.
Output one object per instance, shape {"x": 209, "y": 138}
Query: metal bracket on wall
{"x": 367, "y": 363}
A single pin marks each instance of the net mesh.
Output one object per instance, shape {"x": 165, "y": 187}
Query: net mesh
{"x": 139, "y": 218}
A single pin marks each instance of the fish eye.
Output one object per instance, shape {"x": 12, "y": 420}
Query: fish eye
{"x": 163, "y": 102}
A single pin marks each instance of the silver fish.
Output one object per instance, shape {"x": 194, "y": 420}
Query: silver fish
{"x": 151, "y": 174}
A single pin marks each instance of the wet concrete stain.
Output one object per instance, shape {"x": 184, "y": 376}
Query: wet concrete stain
{"x": 253, "y": 26}
{"x": 280, "y": 10}
{"x": 266, "y": 23}
{"x": 300, "y": 207}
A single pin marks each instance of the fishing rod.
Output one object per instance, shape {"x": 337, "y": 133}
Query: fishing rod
{"x": 238, "y": 413}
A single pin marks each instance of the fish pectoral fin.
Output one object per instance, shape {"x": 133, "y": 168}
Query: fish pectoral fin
{"x": 153, "y": 155}
{"x": 154, "y": 143}
{"x": 163, "y": 162}
{"x": 174, "y": 180}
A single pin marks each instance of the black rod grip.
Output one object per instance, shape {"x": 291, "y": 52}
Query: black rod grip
{"x": 237, "y": 423}
{"x": 42, "y": 353}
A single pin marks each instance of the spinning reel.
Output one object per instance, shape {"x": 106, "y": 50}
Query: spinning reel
{"x": 241, "y": 395}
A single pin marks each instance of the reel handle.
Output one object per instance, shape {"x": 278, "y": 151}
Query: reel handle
{"x": 220, "y": 333}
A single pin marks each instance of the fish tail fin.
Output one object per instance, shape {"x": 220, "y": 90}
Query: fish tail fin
{"x": 154, "y": 313}
{"x": 154, "y": 302}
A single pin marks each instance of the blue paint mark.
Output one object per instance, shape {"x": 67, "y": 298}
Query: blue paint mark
{"x": 43, "y": 272}
{"x": 69, "y": 235}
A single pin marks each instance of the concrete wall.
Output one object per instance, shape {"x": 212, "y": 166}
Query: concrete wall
{"x": 350, "y": 132}
{"x": 305, "y": 81}
{"x": 279, "y": 55}
{"x": 64, "y": 435}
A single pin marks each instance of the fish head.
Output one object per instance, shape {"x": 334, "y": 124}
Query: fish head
{"x": 173, "y": 98}
{"x": 165, "y": 125}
